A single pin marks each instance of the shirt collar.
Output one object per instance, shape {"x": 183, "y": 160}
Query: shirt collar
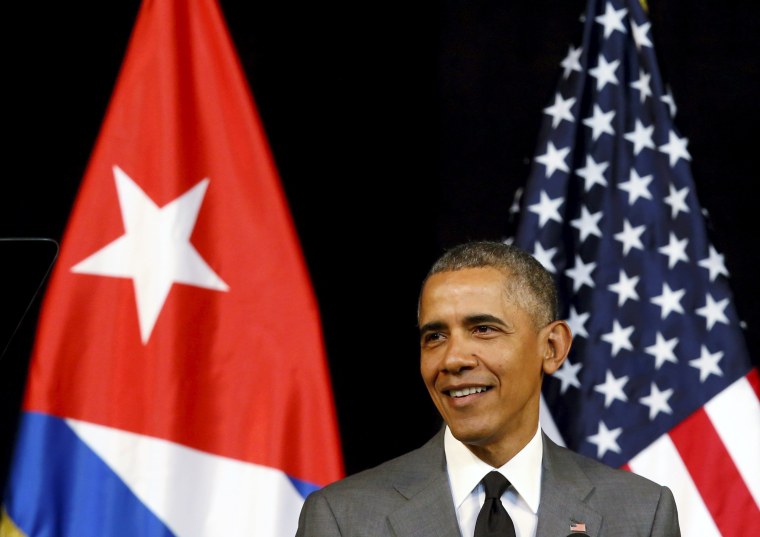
{"x": 466, "y": 470}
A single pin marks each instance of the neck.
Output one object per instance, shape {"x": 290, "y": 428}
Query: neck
{"x": 498, "y": 454}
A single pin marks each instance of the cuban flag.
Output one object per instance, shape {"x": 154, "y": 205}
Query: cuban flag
{"x": 178, "y": 383}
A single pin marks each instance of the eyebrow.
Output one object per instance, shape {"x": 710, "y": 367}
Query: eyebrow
{"x": 479, "y": 318}
{"x": 484, "y": 318}
{"x": 434, "y": 326}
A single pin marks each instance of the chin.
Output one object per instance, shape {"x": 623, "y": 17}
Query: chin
{"x": 469, "y": 434}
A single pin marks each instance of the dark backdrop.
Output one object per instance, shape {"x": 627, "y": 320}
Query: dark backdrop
{"x": 398, "y": 129}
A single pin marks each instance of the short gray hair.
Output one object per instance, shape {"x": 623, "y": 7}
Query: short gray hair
{"x": 529, "y": 284}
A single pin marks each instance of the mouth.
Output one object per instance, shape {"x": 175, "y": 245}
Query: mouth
{"x": 464, "y": 392}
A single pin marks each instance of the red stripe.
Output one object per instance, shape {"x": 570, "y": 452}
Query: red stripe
{"x": 754, "y": 380}
{"x": 716, "y": 477}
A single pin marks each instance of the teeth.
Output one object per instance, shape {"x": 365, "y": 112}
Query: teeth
{"x": 466, "y": 391}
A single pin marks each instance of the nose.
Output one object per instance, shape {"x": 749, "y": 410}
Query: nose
{"x": 460, "y": 355}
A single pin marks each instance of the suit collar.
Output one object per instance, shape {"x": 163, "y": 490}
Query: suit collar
{"x": 430, "y": 512}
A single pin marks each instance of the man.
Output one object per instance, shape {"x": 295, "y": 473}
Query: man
{"x": 489, "y": 331}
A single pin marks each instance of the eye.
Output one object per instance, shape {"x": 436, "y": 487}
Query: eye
{"x": 483, "y": 329}
{"x": 431, "y": 337}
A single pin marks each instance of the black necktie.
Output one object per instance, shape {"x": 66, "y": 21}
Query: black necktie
{"x": 493, "y": 520}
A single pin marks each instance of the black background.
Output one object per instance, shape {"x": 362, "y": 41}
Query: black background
{"x": 398, "y": 129}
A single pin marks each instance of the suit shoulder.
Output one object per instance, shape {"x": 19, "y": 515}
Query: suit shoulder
{"x": 600, "y": 471}
{"x": 629, "y": 503}
{"x": 413, "y": 465}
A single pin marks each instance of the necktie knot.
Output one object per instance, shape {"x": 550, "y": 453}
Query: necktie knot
{"x": 495, "y": 484}
{"x": 493, "y": 520}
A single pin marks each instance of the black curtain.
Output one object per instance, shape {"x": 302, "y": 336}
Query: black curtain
{"x": 398, "y": 129}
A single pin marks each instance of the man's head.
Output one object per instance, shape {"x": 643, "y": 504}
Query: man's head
{"x": 488, "y": 333}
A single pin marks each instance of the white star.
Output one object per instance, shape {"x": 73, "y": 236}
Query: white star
{"x": 612, "y": 388}
{"x": 640, "y": 34}
{"x": 545, "y": 257}
{"x": 155, "y": 250}
{"x": 676, "y": 148}
{"x": 605, "y": 440}
{"x": 657, "y": 401}
{"x": 637, "y": 187}
{"x": 707, "y": 364}
{"x": 577, "y": 322}
{"x": 625, "y": 288}
{"x": 619, "y": 338}
{"x": 668, "y": 100}
{"x": 587, "y": 224}
{"x": 572, "y": 61}
{"x": 554, "y": 159}
{"x": 581, "y": 273}
{"x": 612, "y": 20}
{"x": 669, "y": 300}
{"x": 547, "y": 209}
{"x": 641, "y": 137}
{"x": 675, "y": 250}
{"x": 715, "y": 263}
{"x": 677, "y": 200}
{"x": 600, "y": 122}
{"x": 713, "y": 312}
{"x": 593, "y": 173}
{"x": 604, "y": 72}
{"x": 630, "y": 237}
{"x": 662, "y": 350}
{"x": 568, "y": 375}
{"x": 560, "y": 109}
{"x": 642, "y": 84}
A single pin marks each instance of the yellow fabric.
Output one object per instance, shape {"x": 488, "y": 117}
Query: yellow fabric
{"x": 8, "y": 528}
{"x": 644, "y": 5}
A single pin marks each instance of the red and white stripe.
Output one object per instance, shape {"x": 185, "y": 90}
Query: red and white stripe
{"x": 711, "y": 462}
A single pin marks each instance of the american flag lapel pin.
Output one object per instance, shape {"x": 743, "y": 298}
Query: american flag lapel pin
{"x": 578, "y": 529}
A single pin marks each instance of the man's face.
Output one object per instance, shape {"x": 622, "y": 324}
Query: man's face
{"x": 481, "y": 358}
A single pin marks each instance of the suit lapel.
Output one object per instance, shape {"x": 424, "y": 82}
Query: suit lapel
{"x": 429, "y": 511}
{"x": 564, "y": 489}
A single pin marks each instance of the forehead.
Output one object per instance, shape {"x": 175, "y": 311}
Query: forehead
{"x": 465, "y": 291}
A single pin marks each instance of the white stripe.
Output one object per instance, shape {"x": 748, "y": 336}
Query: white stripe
{"x": 547, "y": 423}
{"x": 661, "y": 463}
{"x": 735, "y": 414}
{"x": 194, "y": 493}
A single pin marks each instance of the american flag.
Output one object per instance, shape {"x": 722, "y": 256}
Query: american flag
{"x": 659, "y": 380}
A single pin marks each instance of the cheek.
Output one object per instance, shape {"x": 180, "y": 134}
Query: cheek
{"x": 519, "y": 364}
{"x": 428, "y": 369}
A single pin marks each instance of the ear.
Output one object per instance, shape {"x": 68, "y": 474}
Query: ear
{"x": 557, "y": 339}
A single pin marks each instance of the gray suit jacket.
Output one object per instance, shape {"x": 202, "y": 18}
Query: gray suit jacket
{"x": 409, "y": 496}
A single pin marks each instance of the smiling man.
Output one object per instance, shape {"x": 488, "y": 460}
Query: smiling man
{"x": 489, "y": 332}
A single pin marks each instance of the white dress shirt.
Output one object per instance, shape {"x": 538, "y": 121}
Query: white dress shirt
{"x": 520, "y": 500}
